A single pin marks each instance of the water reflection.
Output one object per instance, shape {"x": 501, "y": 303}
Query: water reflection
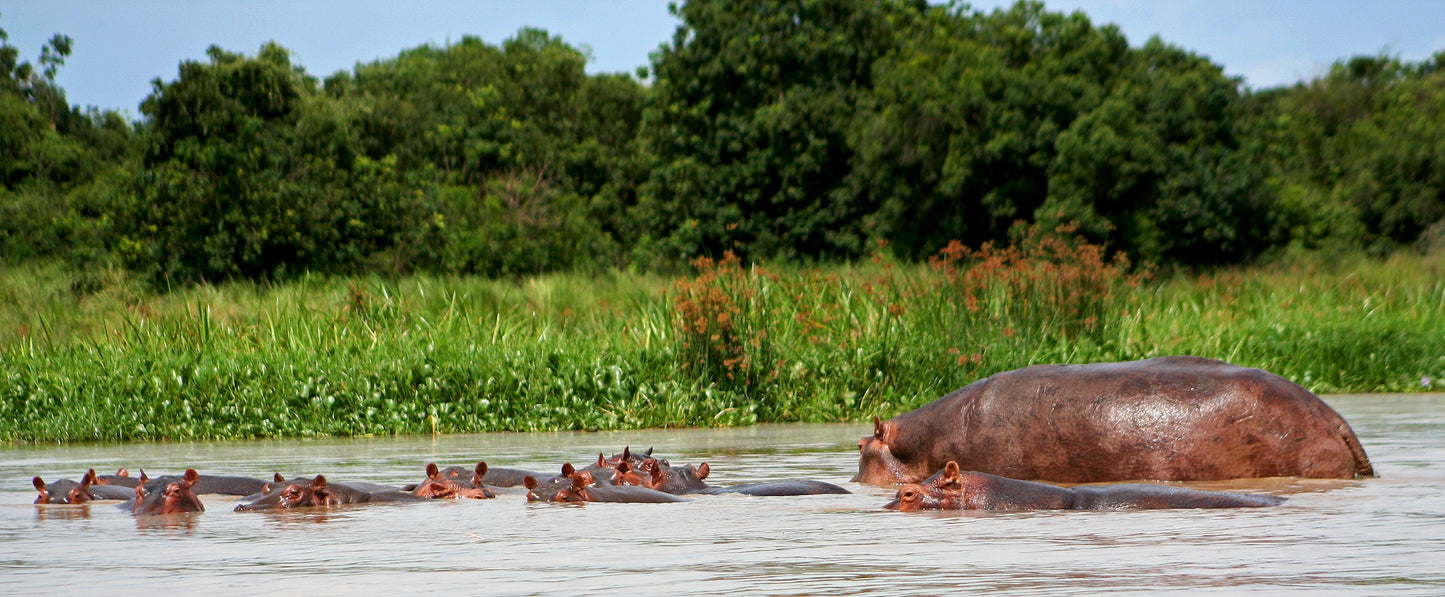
{"x": 1338, "y": 536}
{"x": 62, "y": 511}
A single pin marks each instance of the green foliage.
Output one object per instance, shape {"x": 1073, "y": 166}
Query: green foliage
{"x": 751, "y": 106}
{"x": 113, "y": 360}
{"x": 250, "y": 173}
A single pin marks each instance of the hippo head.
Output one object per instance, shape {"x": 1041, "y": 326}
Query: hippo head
{"x": 626, "y": 475}
{"x": 880, "y": 463}
{"x": 943, "y": 491}
{"x": 296, "y": 493}
{"x": 578, "y": 493}
{"x": 675, "y": 479}
{"x": 479, "y": 472}
{"x": 175, "y": 497}
{"x": 547, "y": 490}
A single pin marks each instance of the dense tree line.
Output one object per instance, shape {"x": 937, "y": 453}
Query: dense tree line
{"x": 777, "y": 129}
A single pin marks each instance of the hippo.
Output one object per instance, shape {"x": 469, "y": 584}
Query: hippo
{"x": 675, "y": 479}
{"x": 305, "y": 493}
{"x": 584, "y": 488}
{"x": 787, "y": 487}
{"x": 64, "y": 491}
{"x": 121, "y": 478}
{"x": 439, "y": 485}
{"x": 689, "y": 480}
{"x": 950, "y": 489}
{"x": 206, "y": 484}
{"x": 103, "y": 489}
{"x": 626, "y": 475}
{"x": 175, "y": 496}
{"x": 1176, "y": 418}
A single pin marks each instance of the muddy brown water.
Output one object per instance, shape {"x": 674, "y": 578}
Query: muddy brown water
{"x": 1384, "y": 535}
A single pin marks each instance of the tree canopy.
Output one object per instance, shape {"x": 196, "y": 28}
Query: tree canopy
{"x": 776, "y": 129}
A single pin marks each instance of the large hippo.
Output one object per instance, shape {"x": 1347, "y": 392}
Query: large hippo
{"x": 951, "y": 489}
{"x": 1169, "y": 419}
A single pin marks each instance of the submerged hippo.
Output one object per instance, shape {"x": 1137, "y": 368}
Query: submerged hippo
{"x": 171, "y": 495}
{"x": 1167, "y": 419}
{"x": 951, "y": 489}
{"x": 584, "y": 488}
{"x": 316, "y": 492}
{"x": 688, "y": 479}
{"x": 440, "y": 485}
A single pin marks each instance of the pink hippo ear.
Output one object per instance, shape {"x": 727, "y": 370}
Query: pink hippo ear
{"x": 87, "y": 480}
{"x": 601, "y": 460}
{"x": 432, "y": 471}
{"x": 479, "y": 472}
{"x": 278, "y": 478}
{"x": 950, "y": 475}
{"x": 319, "y": 482}
{"x": 529, "y": 482}
{"x": 122, "y": 472}
{"x": 143, "y": 476}
{"x": 39, "y": 484}
{"x": 702, "y": 471}
{"x": 567, "y": 470}
{"x": 191, "y": 477}
{"x": 884, "y": 431}
{"x": 656, "y": 479}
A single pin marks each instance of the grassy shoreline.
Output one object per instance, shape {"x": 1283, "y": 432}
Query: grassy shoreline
{"x": 109, "y": 360}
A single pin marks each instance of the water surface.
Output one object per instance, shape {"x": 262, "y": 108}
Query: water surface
{"x": 1384, "y": 535}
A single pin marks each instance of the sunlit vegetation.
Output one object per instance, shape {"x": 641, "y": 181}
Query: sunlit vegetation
{"x": 730, "y": 345}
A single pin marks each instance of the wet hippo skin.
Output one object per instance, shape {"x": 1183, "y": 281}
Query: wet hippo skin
{"x": 1167, "y": 419}
{"x": 951, "y": 489}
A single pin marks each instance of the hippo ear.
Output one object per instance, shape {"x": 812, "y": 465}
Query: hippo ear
{"x": 143, "y": 476}
{"x": 121, "y": 472}
{"x": 87, "y": 480}
{"x": 480, "y": 471}
{"x": 648, "y": 454}
{"x": 319, "y": 481}
{"x": 529, "y": 482}
{"x": 40, "y": 485}
{"x": 623, "y": 467}
{"x": 431, "y": 470}
{"x": 601, "y": 461}
{"x": 626, "y": 453}
{"x": 567, "y": 470}
{"x": 883, "y": 431}
{"x": 278, "y": 478}
{"x": 950, "y": 474}
{"x": 191, "y": 477}
{"x": 702, "y": 471}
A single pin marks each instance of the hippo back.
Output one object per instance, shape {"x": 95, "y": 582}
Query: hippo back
{"x": 1169, "y": 418}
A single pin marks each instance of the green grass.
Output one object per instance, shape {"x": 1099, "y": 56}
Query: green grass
{"x": 103, "y": 358}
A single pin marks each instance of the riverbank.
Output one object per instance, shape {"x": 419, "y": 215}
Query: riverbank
{"x": 103, "y": 358}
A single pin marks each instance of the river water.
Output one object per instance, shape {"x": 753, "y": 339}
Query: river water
{"x": 1383, "y": 535}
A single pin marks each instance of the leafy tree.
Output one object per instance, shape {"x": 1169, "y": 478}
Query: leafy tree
{"x": 752, "y": 104}
{"x": 249, "y": 172}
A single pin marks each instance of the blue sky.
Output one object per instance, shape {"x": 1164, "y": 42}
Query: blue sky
{"x": 121, "y": 46}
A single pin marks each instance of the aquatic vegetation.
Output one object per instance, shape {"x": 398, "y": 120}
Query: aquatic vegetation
{"x": 730, "y": 345}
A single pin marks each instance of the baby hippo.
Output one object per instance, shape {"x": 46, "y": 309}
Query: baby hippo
{"x": 950, "y": 489}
